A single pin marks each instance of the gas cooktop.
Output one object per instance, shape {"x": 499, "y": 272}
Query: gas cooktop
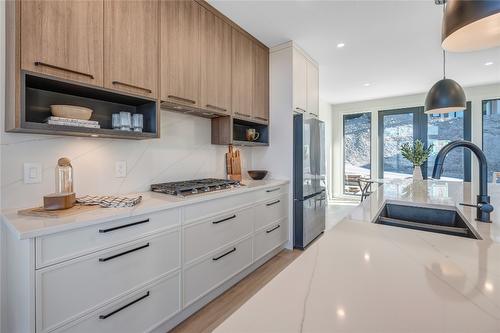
{"x": 197, "y": 186}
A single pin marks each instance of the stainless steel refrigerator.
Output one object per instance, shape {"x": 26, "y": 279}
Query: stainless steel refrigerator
{"x": 309, "y": 184}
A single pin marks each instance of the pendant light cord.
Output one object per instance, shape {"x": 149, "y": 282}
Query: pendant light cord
{"x": 444, "y": 52}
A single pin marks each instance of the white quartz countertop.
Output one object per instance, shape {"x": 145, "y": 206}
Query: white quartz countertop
{"x": 29, "y": 227}
{"x": 365, "y": 277}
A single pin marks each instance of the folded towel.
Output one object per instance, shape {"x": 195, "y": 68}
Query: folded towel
{"x": 108, "y": 201}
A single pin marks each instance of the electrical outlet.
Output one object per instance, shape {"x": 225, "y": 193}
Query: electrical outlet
{"x": 32, "y": 173}
{"x": 121, "y": 169}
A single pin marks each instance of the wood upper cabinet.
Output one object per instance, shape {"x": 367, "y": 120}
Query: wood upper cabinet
{"x": 242, "y": 75}
{"x": 63, "y": 39}
{"x": 261, "y": 83}
{"x": 299, "y": 82}
{"x": 180, "y": 52}
{"x": 312, "y": 89}
{"x": 131, "y": 46}
{"x": 215, "y": 63}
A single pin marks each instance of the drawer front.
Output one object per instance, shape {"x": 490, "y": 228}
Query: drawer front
{"x": 138, "y": 312}
{"x": 214, "y": 207}
{"x": 214, "y": 233}
{"x": 70, "y": 289}
{"x": 62, "y": 246}
{"x": 206, "y": 275}
{"x": 271, "y": 210}
{"x": 272, "y": 191}
{"x": 269, "y": 238}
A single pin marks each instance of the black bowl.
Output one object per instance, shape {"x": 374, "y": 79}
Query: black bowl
{"x": 257, "y": 174}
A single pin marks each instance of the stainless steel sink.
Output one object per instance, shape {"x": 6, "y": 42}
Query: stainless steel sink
{"x": 442, "y": 221}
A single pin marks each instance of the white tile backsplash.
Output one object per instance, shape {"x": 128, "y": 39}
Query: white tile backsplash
{"x": 183, "y": 152}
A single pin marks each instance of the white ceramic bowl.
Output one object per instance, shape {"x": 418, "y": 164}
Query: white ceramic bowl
{"x": 71, "y": 111}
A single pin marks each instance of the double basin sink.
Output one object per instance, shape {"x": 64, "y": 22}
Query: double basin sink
{"x": 438, "y": 220}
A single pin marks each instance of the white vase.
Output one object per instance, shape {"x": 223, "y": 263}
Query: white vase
{"x": 417, "y": 172}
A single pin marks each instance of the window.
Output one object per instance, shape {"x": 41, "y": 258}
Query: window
{"x": 399, "y": 126}
{"x": 491, "y": 133}
{"x": 357, "y": 150}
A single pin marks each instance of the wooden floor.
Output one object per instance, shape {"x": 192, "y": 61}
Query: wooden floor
{"x": 215, "y": 312}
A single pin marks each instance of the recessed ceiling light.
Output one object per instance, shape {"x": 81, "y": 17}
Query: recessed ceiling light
{"x": 340, "y": 45}
{"x": 367, "y": 84}
{"x": 488, "y": 63}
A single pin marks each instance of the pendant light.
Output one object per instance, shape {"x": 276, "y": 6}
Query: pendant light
{"x": 471, "y": 25}
{"x": 446, "y": 95}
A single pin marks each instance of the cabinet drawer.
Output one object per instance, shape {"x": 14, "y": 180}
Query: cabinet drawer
{"x": 214, "y": 207}
{"x": 137, "y": 312}
{"x": 271, "y": 210}
{"x": 208, "y": 274}
{"x": 211, "y": 234}
{"x": 62, "y": 246}
{"x": 269, "y": 238}
{"x": 272, "y": 191}
{"x": 68, "y": 290}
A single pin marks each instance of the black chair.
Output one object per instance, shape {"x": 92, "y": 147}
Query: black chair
{"x": 365, "y": 187}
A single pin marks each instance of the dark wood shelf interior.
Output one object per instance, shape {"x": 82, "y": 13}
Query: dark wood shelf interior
{"x": 40, "y": 92}
{"x": 239, "y": 132}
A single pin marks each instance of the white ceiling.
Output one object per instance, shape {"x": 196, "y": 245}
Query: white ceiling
{"x": 393, "y": 45}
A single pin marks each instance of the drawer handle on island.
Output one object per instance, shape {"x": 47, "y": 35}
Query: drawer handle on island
{"x": 124, "y": 307}
{"x": 216, "y": 108}
{"x": 123, "y": 226}
{"x": 271, "y": 230}
{"x": 39, "y": 63}
{"x": 225, "y": 219}
{"x": 190, "y": 101}
{"x": 273, "y": 203}
{"x": 225, "y": 254}
{"x": 132, "y": 86}
{"x": 124, "y": 253}
{"x": 273, "y": 190}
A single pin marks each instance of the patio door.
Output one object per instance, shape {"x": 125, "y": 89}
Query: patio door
{"x": 397, "y": 127}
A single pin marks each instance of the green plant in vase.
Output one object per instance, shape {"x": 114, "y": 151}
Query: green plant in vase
{"x": 417, "y": 154}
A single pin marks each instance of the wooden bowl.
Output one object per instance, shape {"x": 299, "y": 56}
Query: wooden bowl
{"x": 71, "y": 112}
{"x": 257, "y": 174}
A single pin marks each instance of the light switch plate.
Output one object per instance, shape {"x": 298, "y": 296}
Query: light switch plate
{"x": 121, "y": 169}
{"x": 32, "y": 173}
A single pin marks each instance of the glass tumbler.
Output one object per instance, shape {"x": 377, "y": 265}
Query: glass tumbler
{"x": 137, "y": 122}
{"x": 125, "y": 121}
{"x": 115, "y": 121}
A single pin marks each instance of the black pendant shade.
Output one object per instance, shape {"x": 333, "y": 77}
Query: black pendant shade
{"x": 445, "y": 96}
{"x": 471, "y": 25}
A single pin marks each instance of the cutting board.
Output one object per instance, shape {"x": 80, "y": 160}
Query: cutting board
{"x": 42, "y": 212}
{"x": 233, "y": 164}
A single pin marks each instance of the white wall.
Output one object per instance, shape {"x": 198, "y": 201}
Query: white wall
{"x": 474, "y": 94}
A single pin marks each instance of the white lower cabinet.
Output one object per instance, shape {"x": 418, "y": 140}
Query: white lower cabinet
{"x": 269, "y": 238}
{"x": 68, "y": 290}
{"x": 142, "y": 273}
{"x": 138, "y": 312}
{"x": 204, "y": 276}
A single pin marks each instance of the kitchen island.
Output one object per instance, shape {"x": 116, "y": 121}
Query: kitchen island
{"x": 366, "y": 277}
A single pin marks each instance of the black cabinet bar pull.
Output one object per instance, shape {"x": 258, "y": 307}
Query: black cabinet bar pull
{"x": 216, "y": 107}
{"x": 273, "y": 203}
{"x": 273, "y": 190}
{"x": 44, "y": 64}
{"x": 123, "y": 253}
{"x": 225, "y": 254}
{"x": 300, "y": 109}
{"x": 190, "y": 101}
{"x": 227, "y": 218}
{"x": 271, "y": 230}
{"x": 132, "y": 86}
{"x": 124, "y": 307}
{"x": 123, "y": 226}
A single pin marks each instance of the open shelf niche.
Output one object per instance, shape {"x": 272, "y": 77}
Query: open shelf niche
{"x": 232, "y": 131}
{"x": 38, "y": 92}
